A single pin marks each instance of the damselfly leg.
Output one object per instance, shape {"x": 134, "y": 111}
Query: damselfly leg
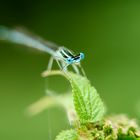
{"x": 49, "y": 67}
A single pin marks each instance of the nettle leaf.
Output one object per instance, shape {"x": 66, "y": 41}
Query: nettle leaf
{"x": 67, "y": 135}
{"x": 87, "y": 101}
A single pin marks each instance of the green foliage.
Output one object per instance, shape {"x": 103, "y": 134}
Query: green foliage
{"x": 118, "y": 127}
{"x": 87, "y": 101}
{"x": 67, "y": 135}
{"x": 90, "y": 111}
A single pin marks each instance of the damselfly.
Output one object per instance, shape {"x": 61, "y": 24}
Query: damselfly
{"x": 63, "y": 56}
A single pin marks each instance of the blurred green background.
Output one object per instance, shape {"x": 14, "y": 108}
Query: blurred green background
{"x": 108, "y": 32}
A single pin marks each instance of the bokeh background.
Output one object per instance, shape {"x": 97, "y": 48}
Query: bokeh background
{"x": 108, "y": 32}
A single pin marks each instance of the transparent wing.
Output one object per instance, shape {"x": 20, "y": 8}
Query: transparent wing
{"x": 45, "y": 42}
{"x": 23, "y": 37}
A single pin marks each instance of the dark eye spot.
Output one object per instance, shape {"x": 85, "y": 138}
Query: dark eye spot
{"x": 69, "y": 60}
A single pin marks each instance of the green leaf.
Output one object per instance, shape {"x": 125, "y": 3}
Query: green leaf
{"x": 67, "y": 135}
{"x": 128, "y": 138}
{"x": 87, "y": 101}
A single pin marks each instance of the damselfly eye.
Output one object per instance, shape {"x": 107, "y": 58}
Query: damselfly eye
{"x": 82, "y": 56}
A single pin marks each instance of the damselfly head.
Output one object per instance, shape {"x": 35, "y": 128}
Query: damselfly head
{"x": 82, "y": 56}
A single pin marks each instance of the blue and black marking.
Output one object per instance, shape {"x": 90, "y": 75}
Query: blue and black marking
{"x": 71, "y": 58}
